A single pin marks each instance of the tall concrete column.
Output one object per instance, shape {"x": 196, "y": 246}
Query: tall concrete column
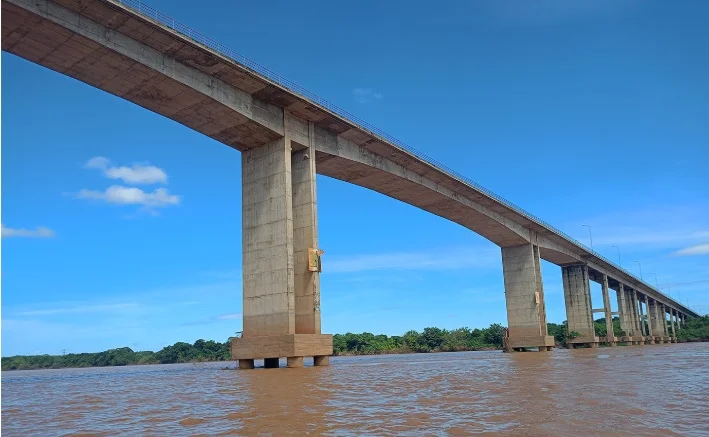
{"x": 665, "y": 327}
{"x": 660, "y": 321}
{"x": 624, "y": 315}
{"x": 679, "y": 327}
{"x": 638, "y": 318}
{"x": 524, "y": 294}
{"x": 653, "y": 317}
{"x": 577, "y": 296}
{"x": 672, "y": 324}
{"x": 610, "y": 335}
{"x": 648, "y": 321}
{"x": 267, "y": 239}
{"x": 281, "y": 310}
{"x": 305, "y": 237}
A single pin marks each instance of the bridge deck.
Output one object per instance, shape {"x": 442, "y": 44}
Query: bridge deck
{"x": 219, "y": 111}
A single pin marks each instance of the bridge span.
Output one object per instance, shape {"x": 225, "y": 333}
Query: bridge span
{"x": 286, "y": 135}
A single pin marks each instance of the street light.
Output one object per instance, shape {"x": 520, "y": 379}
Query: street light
{"x": 590, "y": 235}
{"x": 618, "y": 249}
{"x": 641, "y": 269}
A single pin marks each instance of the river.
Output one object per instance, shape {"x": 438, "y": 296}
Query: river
{"x": 639, "y": 391}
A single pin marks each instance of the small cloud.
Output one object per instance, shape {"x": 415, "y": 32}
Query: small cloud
{"x": 121, "y": 195}
{"x": 364, "y": 95}
{"x": 137, "y": 174}
{"x": 699, "y": 249}
{"x": 39, "y": 232}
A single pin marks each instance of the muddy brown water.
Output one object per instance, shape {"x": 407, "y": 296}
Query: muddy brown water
{"x": 660, "y": 390}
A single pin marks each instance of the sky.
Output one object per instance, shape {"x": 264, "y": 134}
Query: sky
{"x": 123, "y": 228}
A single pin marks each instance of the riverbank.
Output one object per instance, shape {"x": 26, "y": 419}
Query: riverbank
{"x": 430, "y": 340}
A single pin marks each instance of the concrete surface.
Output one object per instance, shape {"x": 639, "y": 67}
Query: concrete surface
{"x": 524, "y": 294}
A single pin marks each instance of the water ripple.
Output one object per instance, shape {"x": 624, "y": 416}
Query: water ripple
{"x": 639, "y": 391}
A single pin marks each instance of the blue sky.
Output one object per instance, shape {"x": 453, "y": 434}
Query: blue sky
{"x": 579, "y": 112}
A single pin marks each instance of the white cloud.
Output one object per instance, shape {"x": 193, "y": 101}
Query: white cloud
{"x": 137, "y": 174}
{"x": 39, "y": 232}
{"x": 434, "y": 259}
{"x": 364, "y": 95}
{"x": 121, "y": 195}
{"x": 699, "y": 249}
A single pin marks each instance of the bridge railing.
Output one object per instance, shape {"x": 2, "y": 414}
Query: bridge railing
{"x": 297, "y": 89}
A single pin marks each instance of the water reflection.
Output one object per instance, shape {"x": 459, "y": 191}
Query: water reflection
{"x": 284, "y": 401}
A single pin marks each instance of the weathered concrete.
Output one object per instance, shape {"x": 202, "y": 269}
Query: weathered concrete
{"x": 267, "y": 240}
{"x": 610, "y": 334}
{"x": 305, "y": 237}
{"x": 654, "y": 312}
{"x": 524, "y": 294}
{"x": 632, "y": 302}
{"x": 281, "y": 316}
{"x": 637, "y": 318}
{"x": 246, "y": 364}
{"x": 294, "y": 362}
{"x": 577, "y": 296}
{"x": 650, "y": 338}
{"x": 672, "y": 324}
{"x": 321, "y": 360}
{"x": 288, "y": 345}
{"x": 625, "y": 314}
{"x": 663, "y": 313}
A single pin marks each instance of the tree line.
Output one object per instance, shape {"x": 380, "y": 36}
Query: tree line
{"x": 179, "y": 352}
{"x": 428, "y": 340}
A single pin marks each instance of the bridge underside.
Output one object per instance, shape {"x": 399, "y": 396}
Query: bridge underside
{"x": 285, "y": 139}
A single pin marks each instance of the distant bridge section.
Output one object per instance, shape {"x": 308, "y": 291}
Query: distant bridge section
{"x": 286, "y": 136}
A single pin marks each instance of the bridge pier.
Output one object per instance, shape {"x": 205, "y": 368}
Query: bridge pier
{"x": 607, "y": 311}
{"x": 281, "y": 295}
{"x": 633, "y": 299}
{"x": 577, "y": 296}
{"x": 524, "y": 294}
{"x": 650, "y": 339}
{"x": 654, "y": 317}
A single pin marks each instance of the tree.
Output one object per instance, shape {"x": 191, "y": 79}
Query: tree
{"x": 494, "y": 334}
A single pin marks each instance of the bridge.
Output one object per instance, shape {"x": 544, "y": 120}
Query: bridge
{"x": 286, "y": 135}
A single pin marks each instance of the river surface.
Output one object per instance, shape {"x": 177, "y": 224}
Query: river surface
{"x": 660, "y": 390}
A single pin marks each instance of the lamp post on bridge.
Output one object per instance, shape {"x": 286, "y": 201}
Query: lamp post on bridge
{"x": 641, "y": 269}
{"x": 590, "y": 235}
{"x": 618, "y": 249}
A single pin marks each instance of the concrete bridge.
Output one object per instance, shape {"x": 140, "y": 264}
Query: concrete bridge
{"x": 286, "y": 136}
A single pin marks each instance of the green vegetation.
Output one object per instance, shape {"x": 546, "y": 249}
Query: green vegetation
{"x": 179, "y": 352}
{"x": 429, "y": 340}
{"x": 696, "y": 329}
